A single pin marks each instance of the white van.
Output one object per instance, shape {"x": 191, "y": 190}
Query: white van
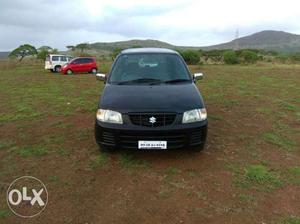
{"x": 54, "y": 62}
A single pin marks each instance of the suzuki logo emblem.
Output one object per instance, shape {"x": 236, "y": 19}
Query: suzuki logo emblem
{"x": 152, "y": 120}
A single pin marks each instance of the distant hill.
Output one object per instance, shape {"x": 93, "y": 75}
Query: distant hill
{"x": 4, "y": 55}
{"x": 268, "y": 40}
{"x": 110, "y": 46}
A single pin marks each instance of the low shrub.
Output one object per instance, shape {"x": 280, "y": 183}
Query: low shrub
{"x": 230, "y": 57}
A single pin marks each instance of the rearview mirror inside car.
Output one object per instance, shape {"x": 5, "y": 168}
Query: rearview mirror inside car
{"x": 198, "y": 76}
{"x": 100, "y": 76}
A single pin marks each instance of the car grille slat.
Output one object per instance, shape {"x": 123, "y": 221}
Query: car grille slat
{"x": 108, "y": 138}
{"x": 159, "y": 119}
{"x": 174, "y": 139}
{"x": 152, "y": 137}
{"x": 197, "y": 137}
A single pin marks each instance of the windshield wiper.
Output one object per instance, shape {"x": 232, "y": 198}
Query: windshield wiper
{"x": 142, "y": 80}
{"x": 177, "y": 80}
{"x": 152, "y": 81}
{"x": 170, "y": 81}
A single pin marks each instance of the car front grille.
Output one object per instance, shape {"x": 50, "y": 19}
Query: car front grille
{"x": 129, "y": 139}
{"x": 152, "y": 119}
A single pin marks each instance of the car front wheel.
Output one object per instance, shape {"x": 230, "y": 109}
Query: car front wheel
{"x": 198, "y": 148}
{"x": 106, "y": 149}
{"x": 69, "y": 72}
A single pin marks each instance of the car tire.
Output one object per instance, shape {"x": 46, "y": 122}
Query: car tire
{"x": 57, "y": 69}
{"x": 94, "y": 71}
{"x": 69, "y": 72}
{"x": 51, "y": 70}
{"x": 198, "y": 148}
{"x": 106, "y": 149}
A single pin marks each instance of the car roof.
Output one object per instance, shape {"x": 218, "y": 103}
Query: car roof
{"x": 86, "y": 57}
{"x": 148, "y": 50}
{"x": 59, "y": 55}
{"x": 73, "y": 59}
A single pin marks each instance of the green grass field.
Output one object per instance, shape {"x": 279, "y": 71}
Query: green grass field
{"x": 248, "y": 172}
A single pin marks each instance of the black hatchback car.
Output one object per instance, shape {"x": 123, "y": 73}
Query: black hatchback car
{"x": 150, "y": 102}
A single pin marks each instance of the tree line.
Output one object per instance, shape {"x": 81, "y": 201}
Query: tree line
{"x": 243, "y": 56}
{"x": 41, "y": 53}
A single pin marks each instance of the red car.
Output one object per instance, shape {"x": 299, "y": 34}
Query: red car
{"x": 81, "y": 64}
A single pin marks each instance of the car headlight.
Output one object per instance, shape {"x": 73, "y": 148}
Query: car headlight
{"x": 109, "y": 116}
{"x": 194, "y": 115}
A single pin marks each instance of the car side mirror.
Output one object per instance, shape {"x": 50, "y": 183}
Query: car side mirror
{"x": 197, "y": 76}
{"x": 100, "y": 77}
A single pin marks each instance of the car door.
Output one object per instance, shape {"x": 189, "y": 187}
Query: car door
{"x": 89, "y": 64}
{"x": 76, "y": 65}
{"x": 55, "y": 61}
{"x": 85, "y": 64}
{"x": 63, "y": 60}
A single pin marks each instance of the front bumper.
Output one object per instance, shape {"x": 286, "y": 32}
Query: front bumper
{"x": 63, "y": 70}
{"x": 126, "y": 136}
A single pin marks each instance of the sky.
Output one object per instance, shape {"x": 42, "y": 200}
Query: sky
{"x": 59, "y": 23}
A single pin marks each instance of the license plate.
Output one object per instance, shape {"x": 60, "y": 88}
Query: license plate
{"x": 152, "y": 144}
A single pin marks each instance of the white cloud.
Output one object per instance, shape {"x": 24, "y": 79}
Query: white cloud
{"x": 183, "y": 22}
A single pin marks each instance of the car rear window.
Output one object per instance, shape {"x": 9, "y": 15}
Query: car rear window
{"x": 55, "y": 58}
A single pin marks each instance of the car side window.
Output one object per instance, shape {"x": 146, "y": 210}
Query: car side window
{"x": 82, "y": 61}
{"x": 76, "y": 61}
{"x": 55, "y": 58}
{"x": 88, "y": 60}
{"x": 63, "y": 58}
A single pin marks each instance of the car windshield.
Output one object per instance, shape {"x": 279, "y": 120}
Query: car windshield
{"x": 149, "y": 68}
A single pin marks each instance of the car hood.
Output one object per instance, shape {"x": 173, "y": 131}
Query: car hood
{"x": 156, "y": 98}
